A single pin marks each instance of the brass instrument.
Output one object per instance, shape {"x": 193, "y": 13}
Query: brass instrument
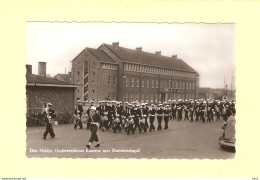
{"x": 48, "y": 116}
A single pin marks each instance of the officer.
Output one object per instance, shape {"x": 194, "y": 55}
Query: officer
{"x": 78, "y": 114}
{"x": 159, "y": 112}
{"x": 166, "y": 113}
{"x": 94, "y": 120}
{"x": 49, "y": 115}
{"x": 152, "y": 117}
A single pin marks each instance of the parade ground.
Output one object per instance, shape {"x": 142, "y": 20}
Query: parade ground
{"x": 183, "y": 140}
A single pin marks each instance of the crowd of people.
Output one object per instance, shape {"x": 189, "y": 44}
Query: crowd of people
{"x": 134, "y": 116}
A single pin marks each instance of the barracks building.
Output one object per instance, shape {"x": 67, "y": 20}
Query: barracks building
{"x": 111, "y": 72}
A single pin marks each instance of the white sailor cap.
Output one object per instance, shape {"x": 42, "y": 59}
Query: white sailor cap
{"x": 167, "y": 105}
{"x": 152, "y": 105}
{"x": 79, "y": 100}
{"x": 91, "y": 101}
{"x": 49, "y": 104}
{"x": 142, "y": 104}
{"x": 93, "y": 108}
{"x": 160, "y": 104}
{"x": 117, "y": 102}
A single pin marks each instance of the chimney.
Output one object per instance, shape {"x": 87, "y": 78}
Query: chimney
{"x": 139, "y": 49}
{"x": 42, "y": 68}
{"x": 28, "y": 69}
{"x": 158, "y": 53}
{"x": 115, "y": 44}
{"x": 174, "y": 56}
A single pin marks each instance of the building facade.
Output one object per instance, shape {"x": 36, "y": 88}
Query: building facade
{"x": 112, "y": 72}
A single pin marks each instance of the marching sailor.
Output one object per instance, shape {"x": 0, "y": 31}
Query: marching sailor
{"x": 78, "y": 114}
{"x": 159, "y": 112}
{"x": 166, "y": 116}
{"x": 88, "y": 112}
{"x": 94, "y": 120}
{"x": 49, "y": 115}
{"x": 152, "y": 117}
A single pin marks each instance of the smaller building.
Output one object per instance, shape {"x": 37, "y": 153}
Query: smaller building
{"x": 41, "y": 90}
{"x": 64, "y": 77}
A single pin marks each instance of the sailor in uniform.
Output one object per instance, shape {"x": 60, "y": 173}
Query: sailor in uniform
{"x": 49, "y": 115}
{"x": 152, "y": 117}
{"x": 159, "y": 112}
{"x": 166, "y": 113}
{"x": 94, "y": 119}
{"x": 78, "y": 114}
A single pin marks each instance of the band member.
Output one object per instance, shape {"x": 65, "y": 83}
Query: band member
{"x": 191, "y": 110}
{"x": 159, "y": 117}
{"x": 174, "y": 109}
{"x": 209, "y": 112}
{"x": 144, "y": 112}
{"x": 203, "y": 111}
{"x": 110, "y": 114}
{"x": 116, "y": 124}
{"x": 137, "y": 115}
{"x": 197, "y": 111}
{"x": 130, "y": 125}
{"x": 186, "y": 112}
{"x": 78, "y": 114}
{"x": 94, "y": 120}
{"x": 88, "y": 112}
{"x": 179, "y": 111}
{"x": 217, "y": 112}
{"x": 49, "y": 115}
{"x": 152, "y": 117}
{"x": 166, "y": 113}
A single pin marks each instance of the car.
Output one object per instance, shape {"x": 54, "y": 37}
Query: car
{"x": 227, "y": 139}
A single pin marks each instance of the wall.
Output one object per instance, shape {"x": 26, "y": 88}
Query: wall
{"x": 61, "y": 98}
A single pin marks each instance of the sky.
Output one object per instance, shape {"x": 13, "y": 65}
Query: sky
{"x": 208, "y": 48}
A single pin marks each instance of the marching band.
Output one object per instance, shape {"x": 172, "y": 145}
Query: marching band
{"x": 133, "y": 116}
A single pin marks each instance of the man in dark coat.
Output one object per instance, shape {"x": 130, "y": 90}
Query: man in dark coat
{"x": 78, "y": 114}
{"x": 49, "y": 115}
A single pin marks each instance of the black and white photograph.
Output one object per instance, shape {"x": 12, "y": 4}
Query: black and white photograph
{"x": 130, "y": 90}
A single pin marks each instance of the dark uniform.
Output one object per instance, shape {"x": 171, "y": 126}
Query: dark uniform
{"x": 179, "y": 111}
{"x": 174, "y": 108}
{"x": 94, "y": 121}
{"x": 186, "y": 111}
{"x": 191, "y": 111}
{"x": 78, "y": 114}
{"x": 159, "y": 112}
{"x": 88, "y": 123}
{"x": 152, "y": 117}
{"x": 50, "y": 114}
{"x": 166, "y": 113}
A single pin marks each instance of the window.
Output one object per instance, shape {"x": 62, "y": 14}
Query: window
{"x": 114, "y": 80}
{"x": 137, "y": 82}
{"x": 93, "y": 82}
{"x": 126, "y": 96}
{"x": 161, "y": 84}
{"x": 183, "y": 85}
{"x": 132, "y": 97}
{"x": 132, "y": 82}
{"x": 165, "y": 84}
{"x": 190, "y": 85}
{"x": 78, "y": 90}
{"x": 147, "y": 85}
{"x": 142, "y": 82}
{"x": 152, "y": 85}
{"x": 151, "y": 98}
{"x": 93, "y": 91}
{"x": 78, "y": 72}
{"x": 176, "y": 84}
{"x": 126, "y": 82}
{"x": 193, "y": 85}
{"x": 147, "y": 97}
{"x": 156, "y": 83}
{"x": 142, "y": 97}
{"x": 109, "y": 80}
{"x": 93, "y": 73}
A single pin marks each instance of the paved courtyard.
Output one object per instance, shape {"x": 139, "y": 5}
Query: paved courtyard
{"x": 183, "y": 140}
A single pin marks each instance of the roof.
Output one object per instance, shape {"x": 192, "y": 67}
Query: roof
{"x": 66, "y": 77}
{"x": 101, "y": 55}
{"x": 141, "y": 57}
{"x": 36, "y": 80}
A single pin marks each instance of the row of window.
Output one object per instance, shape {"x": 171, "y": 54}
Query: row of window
{"x": 135, "y": 82}
{"x": 130, "y": 97}
{"x": 157, "y": 70}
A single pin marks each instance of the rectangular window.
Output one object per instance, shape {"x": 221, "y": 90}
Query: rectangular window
{"x": 176, "y": 85}
{"x": 152, "y": 85}
{"x": 183, "y": 85}
{"x": 142, "y": 97}
{"x": 147, "y": 97}
{"x": 151, "y": 98}
{"x": 170, "y": 82}
{"x": 137, "y": 97}
{"x": 93, "y": 73}
{"x": 114, "y": 80}
{"x": 193, "y": 85}
{"x": 137, "y": 82}
{"x": 132, "y": 82}
{"x": 109, "y": 80}
{"x": 147, "y": 84}
{"x": 126, "y": 97}
{"x": 156, "y": 83}
{"x": 142, "y": 82}
{"x": 126, "y": 82}
{"x": 132, "y": 97}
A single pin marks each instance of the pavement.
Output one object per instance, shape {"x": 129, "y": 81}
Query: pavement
{"x": 183, "y": 140}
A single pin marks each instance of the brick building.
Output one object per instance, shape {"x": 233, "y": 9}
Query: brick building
{"x": 41, "y": 90}
{"x": 116, "y": 73}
